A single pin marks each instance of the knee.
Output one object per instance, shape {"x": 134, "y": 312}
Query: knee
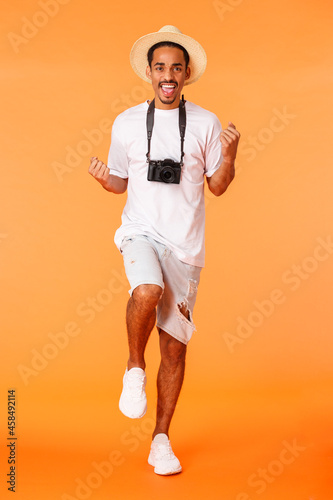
{"x": 147, "y": 295}
{"x": 172, "y": 350}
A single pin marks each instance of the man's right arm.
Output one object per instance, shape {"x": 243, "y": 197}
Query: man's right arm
{"x": 110, "y": 182}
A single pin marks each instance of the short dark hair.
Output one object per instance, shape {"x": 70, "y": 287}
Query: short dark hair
{"x": 150, "y": 53}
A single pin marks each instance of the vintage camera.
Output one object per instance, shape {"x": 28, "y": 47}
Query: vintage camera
{"x": 164, "y": 171}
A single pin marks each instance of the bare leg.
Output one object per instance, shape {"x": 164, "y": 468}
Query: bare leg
{"x": 140, "y": 320}
{"x": 169, "y": 380}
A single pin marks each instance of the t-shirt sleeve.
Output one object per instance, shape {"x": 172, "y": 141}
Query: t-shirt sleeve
{"x": 213, "y": 154}
{"x": 117, "y": 161}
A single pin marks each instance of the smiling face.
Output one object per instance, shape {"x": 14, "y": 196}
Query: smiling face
{"x": 168, "y": 74}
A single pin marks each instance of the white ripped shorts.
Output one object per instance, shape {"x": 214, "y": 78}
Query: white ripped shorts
{"x": 149, "y": 262}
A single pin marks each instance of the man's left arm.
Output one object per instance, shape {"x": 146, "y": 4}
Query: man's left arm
{"x": 221, "y": 179}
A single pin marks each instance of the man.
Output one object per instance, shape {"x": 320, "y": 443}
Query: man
{"x": 162, "y": 233}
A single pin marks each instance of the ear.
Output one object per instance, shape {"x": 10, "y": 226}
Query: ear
{"x": 188, "y": 73}
{"x": 148, "y": 72}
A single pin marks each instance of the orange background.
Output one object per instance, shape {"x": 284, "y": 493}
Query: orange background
{"x": 250, "y": 392}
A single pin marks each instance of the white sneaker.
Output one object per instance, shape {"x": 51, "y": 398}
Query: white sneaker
{"x": 162, "y": 457}
{"x": 133, "y": 399}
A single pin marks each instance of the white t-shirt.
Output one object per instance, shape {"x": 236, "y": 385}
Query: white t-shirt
{"x": 173, "y": 214}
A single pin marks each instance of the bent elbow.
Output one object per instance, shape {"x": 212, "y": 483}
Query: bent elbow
{"x": 219, "y": 189}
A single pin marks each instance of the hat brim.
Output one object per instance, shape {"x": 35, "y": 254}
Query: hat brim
{"x": 138, "y": 55}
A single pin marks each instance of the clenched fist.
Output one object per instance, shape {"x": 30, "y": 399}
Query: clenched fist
{"x": 101, "y": 173}
{"x": 99, "y": 170}
{"x": 229, "y": 139}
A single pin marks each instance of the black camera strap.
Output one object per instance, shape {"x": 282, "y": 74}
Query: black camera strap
{"x": 182, "y": 127}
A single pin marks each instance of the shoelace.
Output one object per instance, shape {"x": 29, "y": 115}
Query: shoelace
{"x": 165, "y": 450}
{"x": 135, "y": 385}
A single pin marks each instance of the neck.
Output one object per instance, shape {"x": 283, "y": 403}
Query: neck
{"x": 161, "y": 105}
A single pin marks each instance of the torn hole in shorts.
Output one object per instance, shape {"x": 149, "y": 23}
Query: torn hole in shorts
{"x": 183, "y": 313}
{"x": 182, "y": 307}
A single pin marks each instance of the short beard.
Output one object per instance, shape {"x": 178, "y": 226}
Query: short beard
{"x": 168, "y": 102}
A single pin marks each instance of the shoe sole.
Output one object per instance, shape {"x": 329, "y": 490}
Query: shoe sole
{"x": 150, "y": 462}
{"x": 168, "y": 473}
{"x": 123, "y": 411}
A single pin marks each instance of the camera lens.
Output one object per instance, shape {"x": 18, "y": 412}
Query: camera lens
{"x": 167, "y": 174}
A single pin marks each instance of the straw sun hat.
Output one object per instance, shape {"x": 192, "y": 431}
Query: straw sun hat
{"x": 138, "y": 55}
